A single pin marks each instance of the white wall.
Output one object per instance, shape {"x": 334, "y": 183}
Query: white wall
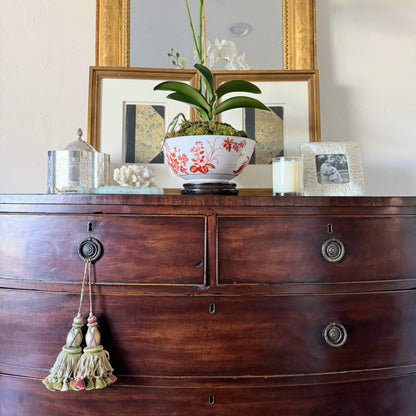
{"x": 367, "y": 62}
{"x": 366, "y": 57}
{"x": 46, "y": 48}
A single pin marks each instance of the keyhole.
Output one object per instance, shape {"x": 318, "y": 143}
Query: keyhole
{"x": 211, "y": 308}
{"x": 330, "y": 228}
{"x": 211, "y": 399}
{"x": 89, "y": 227}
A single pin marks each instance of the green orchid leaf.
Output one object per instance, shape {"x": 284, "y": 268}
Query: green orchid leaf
{"x": 239, "y": 102}
{"x": 189, "y": 100}
{"x": 187, "y": 90}
{"x": 208, "y": 79}
{"x": 237, "y": 85}
{"x": 202, "y": 114}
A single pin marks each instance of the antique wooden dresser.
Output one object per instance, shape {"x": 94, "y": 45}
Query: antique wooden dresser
{"x": 214, "y": 305}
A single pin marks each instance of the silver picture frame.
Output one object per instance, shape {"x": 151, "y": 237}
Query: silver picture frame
{"x": 332, "y": 169}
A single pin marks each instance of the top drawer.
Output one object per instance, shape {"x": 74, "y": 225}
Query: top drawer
{"x": 289, "y": 250}
{"x": 136, "y": 249}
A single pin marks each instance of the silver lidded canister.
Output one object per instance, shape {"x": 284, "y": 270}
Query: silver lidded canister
{"x": 79, "y": 165}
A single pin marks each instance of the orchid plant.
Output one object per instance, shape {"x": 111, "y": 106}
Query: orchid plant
{"x": 205, "y": 99}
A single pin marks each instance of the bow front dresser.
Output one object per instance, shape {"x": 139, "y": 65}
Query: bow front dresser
{"x": 211, "y": 305}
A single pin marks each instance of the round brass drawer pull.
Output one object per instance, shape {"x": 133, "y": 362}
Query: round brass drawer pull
{"x": 335, "y": 334}
{"x": 90, "y": 249}
{"x": 333, "y": 250}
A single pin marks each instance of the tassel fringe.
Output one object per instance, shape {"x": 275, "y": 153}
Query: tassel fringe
{"x": 94, "y": 369}
{"x": 63, "y": 370}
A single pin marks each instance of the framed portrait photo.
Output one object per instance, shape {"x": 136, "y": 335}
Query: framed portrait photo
{"x": 332, "y": 169}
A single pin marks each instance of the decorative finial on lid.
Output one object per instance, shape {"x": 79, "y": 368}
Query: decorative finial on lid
{"x": 80, "y": 144}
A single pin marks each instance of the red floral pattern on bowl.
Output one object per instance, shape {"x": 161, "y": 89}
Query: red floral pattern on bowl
{"x": 202, "y": 159}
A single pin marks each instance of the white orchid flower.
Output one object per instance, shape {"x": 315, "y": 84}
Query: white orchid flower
{"x": 239, "y": 62}
{"x": 227, "y": 50}
{"x": 212, "y": 55}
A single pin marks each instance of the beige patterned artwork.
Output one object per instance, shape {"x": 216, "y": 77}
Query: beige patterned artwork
{"x": 145, "y": 129}
{"x": 267, "y": 129}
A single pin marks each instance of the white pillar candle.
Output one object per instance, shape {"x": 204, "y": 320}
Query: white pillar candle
{"x": 288, "y": 176}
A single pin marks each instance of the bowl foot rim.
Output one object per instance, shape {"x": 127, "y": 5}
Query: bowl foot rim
{"x": 209, "y": 188}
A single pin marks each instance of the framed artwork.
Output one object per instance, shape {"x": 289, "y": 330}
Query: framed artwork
{"x": 128, "y": 120}
{"x": 332, "y": 169}
{"x": 293, "y": 97}
{"x": 143, "y": 127}
{"x": 267, "y": 129}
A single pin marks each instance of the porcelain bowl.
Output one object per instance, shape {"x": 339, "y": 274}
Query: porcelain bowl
{"x": 202, "y": 159}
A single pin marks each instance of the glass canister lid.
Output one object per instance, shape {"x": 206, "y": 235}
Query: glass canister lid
{"x": 80, "y": 144}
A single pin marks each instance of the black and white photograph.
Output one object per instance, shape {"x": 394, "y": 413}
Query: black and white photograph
{"x": 332, "y": 168}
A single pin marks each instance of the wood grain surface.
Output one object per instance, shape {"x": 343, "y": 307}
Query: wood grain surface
{"x": 213, "y": 305}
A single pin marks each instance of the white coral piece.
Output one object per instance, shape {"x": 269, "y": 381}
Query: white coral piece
{"x": 134, "y": 175}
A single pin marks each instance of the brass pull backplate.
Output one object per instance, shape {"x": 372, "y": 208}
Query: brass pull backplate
{"x": 335, "y": 334}
{"x": 333, "y": 250}
{"x": 90, "y": 249}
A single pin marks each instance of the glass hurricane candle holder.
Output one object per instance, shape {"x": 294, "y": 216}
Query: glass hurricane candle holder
{"x": 288, "y": 176}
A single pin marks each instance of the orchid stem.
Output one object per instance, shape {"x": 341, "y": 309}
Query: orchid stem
{"x": 204, "y": 32}
{"x": 198, "y": 50}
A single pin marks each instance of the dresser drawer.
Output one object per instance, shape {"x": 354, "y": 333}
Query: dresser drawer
{"x": 136, "y": 249}
{"x": 389, "y": 397}
{"x": 290, "y": 250}
{"x": 218, "y": 336}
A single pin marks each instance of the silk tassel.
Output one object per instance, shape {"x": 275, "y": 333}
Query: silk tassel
{"x": 93, "y": 370}
{"x": 63, "y": 370}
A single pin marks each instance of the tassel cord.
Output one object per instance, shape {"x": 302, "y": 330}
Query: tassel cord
{"x": 89, "y": 284}
{"x": 87, "y": 269}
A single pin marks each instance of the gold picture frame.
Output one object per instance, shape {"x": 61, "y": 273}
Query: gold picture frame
{"x": 111, "y": 89}
{"x": 311, "y": 78}
{"x": 297, "y": 92}
{"x": 298, "y": 37}
{"x": 97, "y": 78}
